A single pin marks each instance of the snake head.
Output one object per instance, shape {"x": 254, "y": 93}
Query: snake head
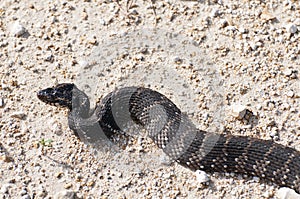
{"x": 60, "y": 95}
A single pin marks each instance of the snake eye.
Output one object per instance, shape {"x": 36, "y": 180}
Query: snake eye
{"x": 45, "y": 95}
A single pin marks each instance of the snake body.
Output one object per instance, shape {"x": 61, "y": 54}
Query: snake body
{"x": 175, "y": 134}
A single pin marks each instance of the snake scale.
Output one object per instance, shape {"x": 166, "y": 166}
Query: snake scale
{"x": 175, "y": 134}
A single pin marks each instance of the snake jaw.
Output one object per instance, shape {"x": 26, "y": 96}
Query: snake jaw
{"x": 60, "y": 95}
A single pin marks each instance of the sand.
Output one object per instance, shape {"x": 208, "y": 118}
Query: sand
{"x": 209, "y": 57}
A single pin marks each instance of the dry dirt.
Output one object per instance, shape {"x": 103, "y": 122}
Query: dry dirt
{"x": 207, "y": 56}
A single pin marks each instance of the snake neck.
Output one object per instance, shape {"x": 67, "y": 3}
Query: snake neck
{"x": 81, "y": 120}
{"x": 80, "y": 104}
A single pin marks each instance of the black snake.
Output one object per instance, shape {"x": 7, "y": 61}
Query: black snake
{"x": 173, "y": 132}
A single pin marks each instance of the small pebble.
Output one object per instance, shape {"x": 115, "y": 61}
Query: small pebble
{"x": 83, "y": 64}
{"x": 102, "y": 21}
{"x": 17, "y": 29}
{"x": 165, "y": 160}
{"x": 288, "y": 72}
{"x": 273, "y": 133}
{"x": 90, "y": 183}
{"x": 1, "y": 102}
{"x": 56, "y": 128}
{"x": 92, "y": 40}
{"x": 18, "y": 114}
{"x": 84, "y": 16}
{"x": 49, "y": 57}
{"x": 256, "y": 179}
{"x": 68, "y": 185}
{"x": 223, "y": 23}
{"x": 291, "y": 28}
{"x": 290, "y": 94}
{"x": 5, "y": 158}
{"x": 139, "y": 57}
{"x": 215, "y": 13}
{"x": 238, "y": 111}
{"x": 297, "y": 22}
{"x": 177, "y": 60}
{"x": 266, "y": 15}
{"x": 287, "y": 193}
{"x": 3, "y": 43}
{"x": 231, "y": 28}
{"x": 5, "y": 188}
{"x": 23, "y": 192}
{"x": 65, "y": 195}
{"x": 26, "y": 196}
{"x": 59, "y": 174}
{"x": 201, "y": 176}
{"x": 243, "y": 30}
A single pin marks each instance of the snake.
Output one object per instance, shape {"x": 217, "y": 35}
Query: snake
{"x": 174, "y": 133}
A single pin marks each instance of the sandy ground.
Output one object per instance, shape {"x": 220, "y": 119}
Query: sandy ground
{"x": 207, "y": 56}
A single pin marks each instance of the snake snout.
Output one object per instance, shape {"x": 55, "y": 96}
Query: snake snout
{"x": 46, "y": 96}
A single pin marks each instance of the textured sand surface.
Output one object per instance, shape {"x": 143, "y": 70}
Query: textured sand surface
{"x": 207, "y": 56}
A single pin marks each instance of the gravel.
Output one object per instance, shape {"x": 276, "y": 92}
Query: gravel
{"x": 206, "y": 56}
{"x": 17, "y": 29}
